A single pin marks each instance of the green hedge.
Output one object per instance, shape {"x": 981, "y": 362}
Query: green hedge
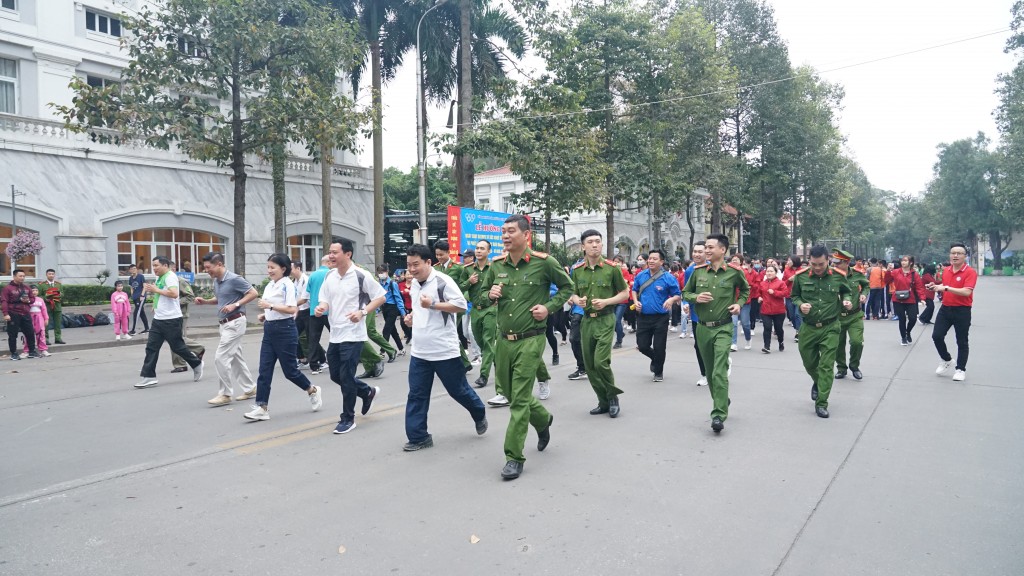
{"x": 83, "y": 294}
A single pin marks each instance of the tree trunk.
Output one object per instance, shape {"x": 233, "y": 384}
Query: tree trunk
{"x": 238, "y": 169}
{"x": 278, "y": 158}
{"x": 547, "y": 231}
{"x": 326, "y": 229}
{"x": 716, "y": 212}
{"x": 609, "y": 224}
{"x": 995, "y": 240}
{"x": 378, "y": 153}
{"x": 464, "y": 176}
{"x": 689, "y": 222}
{"x": 761, "y": 221}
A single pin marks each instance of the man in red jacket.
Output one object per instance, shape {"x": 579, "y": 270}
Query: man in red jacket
{"x": 957, "y": 288}
{"x": 14, "y": 301}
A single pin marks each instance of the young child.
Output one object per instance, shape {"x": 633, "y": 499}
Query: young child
{"x": 40, "y": 318}
{"x": 121, "y": 304}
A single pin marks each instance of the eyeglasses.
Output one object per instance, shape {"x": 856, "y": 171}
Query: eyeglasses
{"x": 958, "y": 253}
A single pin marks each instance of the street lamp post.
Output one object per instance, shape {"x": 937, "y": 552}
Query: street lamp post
{"x": 421, "y": 136}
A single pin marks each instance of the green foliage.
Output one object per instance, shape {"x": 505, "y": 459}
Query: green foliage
{"x": 86, "y": 294}
{"x": 401, "y": 189}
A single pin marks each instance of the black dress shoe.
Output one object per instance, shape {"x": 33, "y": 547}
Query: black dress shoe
{"x": 821, "y": 411}
{"x": 599, "y": 410}
{"x": 814, "y": 391}
{"x": 840, "y": 374}
{"x": 857, "y": 374}
{"x": 554, "y": 360}
{"x": 717, "y": 425}
{"x": 391, "y": 358}
{"x": 544, "y": 436}
{"x": 179, "y": 369}
{"x": 365, "y": 374}
{"x": 480, "y": 382}
{"x": 59, "y": 341}
{"x": 613, "y": 406}
{"x": 512, "y": 470}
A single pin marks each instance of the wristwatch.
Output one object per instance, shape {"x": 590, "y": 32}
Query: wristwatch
{"x": 363, "y": 310}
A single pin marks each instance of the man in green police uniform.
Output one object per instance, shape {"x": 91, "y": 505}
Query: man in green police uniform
{"x": 600, "y": 286}
{"x": 482, "y": 317}
{"x": 718, "y": 291}
{"x": 457, "y": 272}
{"x": 52, "y": 292}
{"x": 820, "y": 293}
{"x": 520, "y": 280}
{"x": 851, "y": 321}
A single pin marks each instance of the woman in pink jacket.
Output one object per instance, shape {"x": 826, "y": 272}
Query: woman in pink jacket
{"x": 774, "y": 291}
{"x": 121, "y": 305}
{"x": 907, "y": 283}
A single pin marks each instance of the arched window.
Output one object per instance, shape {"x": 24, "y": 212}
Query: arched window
{"x": 185, "y": 247}
{"x": 306, "y": 247}
{"x": 28, "y": 263}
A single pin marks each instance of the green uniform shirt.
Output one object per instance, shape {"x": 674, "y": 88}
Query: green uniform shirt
{"x": 525, "y": 284}
{"x": 858, "y": 283}
{"x": 477, "y": 293}
{"x": 600, "y": 282}
{"x": 824, "y": 293}
{"x": 728, "y": 285}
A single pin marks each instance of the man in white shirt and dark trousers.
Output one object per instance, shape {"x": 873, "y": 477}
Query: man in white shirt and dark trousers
{"x": 349, "y": 295}
{"x": 167, "y": 323}
{"x": 436, "y": 302}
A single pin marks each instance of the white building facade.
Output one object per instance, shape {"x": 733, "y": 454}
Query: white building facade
{"x": 636, "y": 231}
{"x": 100, "y": 207}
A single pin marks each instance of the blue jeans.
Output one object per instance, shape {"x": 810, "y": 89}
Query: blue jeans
{"x": 343, "y": 358}
{"x": 421, "y": 379}
{"x": 280, "y": 339}
{"x": 745, "y": 321}
{"x": 794, "y": 314}
{"x": 620, "y": 309}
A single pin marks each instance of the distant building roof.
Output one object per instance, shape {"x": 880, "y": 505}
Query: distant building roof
{"x": 503, "y": 171}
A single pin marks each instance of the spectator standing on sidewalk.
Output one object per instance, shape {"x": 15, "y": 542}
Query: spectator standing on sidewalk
{"x": 231, "y": 292}
{"x": 16, "y": 299}
{"x": 957, "y": 290}
{"x": 167, "y": 323}
{"x": 121, "y": 307}
{"x": 136, "y": 280}
{"x": 53, "y": 294}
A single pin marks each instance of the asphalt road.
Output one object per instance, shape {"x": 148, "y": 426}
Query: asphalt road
{"x": 912, "y": 474}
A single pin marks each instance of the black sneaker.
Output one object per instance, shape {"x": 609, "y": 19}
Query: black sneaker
{"x": 782, "y": 346}
{"x": 414, "y": 446}
{"x": 481, "y": 426}
{"x": 15, "y": 356}
{"x": 910, "y": 338}
{"x": 579, "y": 374}
{"x": 34, "y": 355}
{"x": 717, "y": 425}
{"x": 765, "y": 351}
{"x": 378, "y": 369}
{"x": 617, "y": 345}
{"x": 554, "y": 360}
{"x": 480, "y": 382}
{"x": 369, "y": 399}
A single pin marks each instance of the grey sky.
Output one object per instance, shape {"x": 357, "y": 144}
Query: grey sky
{"x": 896, "y": 111}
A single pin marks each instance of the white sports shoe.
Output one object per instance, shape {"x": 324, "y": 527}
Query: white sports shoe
{"x": 315, "y": 399}
{"x": 197, "y": 372}
{"x": 943, "y": 367}
{"x": 733, "y": 347}
{"x": 682, "y": 335}
{"x": 747, "y": 345}
{"x": 959, "y": 376}
{"x": 146, "y": 383}
{"x": 258, "y": 413}
{"x": 703, "y": 381}
{"x": 498, "y": 400}
{"x": 673, "y": 329}
{"x": 117, "y": 336}
{"x": 543, "y": 390}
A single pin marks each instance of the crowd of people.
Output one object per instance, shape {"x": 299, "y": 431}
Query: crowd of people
{"x": 500, "y": 314}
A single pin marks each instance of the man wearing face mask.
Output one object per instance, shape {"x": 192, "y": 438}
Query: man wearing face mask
{"x": 393, "y": 308}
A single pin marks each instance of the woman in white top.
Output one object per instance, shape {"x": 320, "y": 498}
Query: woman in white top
{"x": 280, "y": 337}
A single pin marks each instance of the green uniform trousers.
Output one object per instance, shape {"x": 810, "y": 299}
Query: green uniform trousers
{"x": 192, "y": 345}
{"x": 55, "y": 323}
{"x": 854, "y": 325}
{"x": 596, "y": 336}
{"x": 818, "y": 352}
{"x": 516, "y": 365}
{"x": 714, "y": 344}
{"x": 375, "y": 336}
{"x": 484, "y": 332}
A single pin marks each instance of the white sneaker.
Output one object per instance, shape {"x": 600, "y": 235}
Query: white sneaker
{"x": 673, "y": 329}
{"x": 747, "y": 345}
{"x": 260, "y": 413}
{"x": 117, "y": 337}
{"x": 543, "y": 390}
{"x": 733, "y": 347}
{"x": 146, "y": 383}
{"x": 197, "y": 372}
{"x": 728, "y": 373}
{"x": 959, "y": 376}
{"x": 943, "y": 368}
{"x": 498, "y": 400}
{"x": 703, "y": 381}
{"x": 682, "y": 335}
{"x": 753, "y": 332}
{"x": 315, "y": 399}
{"x": 126, "y": 336}
{"x": 45, "y": 353}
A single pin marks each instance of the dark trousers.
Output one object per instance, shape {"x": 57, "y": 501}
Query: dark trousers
{"x": 390, "y": 332}
{"x": 770, "y": 321}
{"x": 875, "y": 305}
{"x": 20, "y": 323}
{"x": 316, "y": 355}
{"x": 139, "y": 313}
{"x": 279, "y": 342}
{"x": 651, "y": 336}
{"x": 677, "y": 314}
{"x": 301, "y": 329}
{"x": 700, "y": 361}
{"x": 755, "y": 312}
{"x": 421, "y": 381}
{"x": 620, "y": 310}
{"x": 343, "y": 358}
{"x": 959, "y": 318}
{"x": 907, "y": 313}
{"x": 887, "y": 299}
{"x": 929, "y": 311}
{"x": 575, "y": 340}
{"x": 166, "y": 331}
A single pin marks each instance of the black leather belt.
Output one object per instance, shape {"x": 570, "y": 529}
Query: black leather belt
{"x": 851, "y": 312}
{"x": 232, "y": 316}
{"x": 524, "y": 335}
{"x": 823, "y": 322}
{"x": 715, "y": 324}
{"x": 601, "y": 313}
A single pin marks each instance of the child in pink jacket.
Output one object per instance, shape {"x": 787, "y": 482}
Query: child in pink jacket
{"x": 40, "y": 318}
{"x": 121, "y": 304}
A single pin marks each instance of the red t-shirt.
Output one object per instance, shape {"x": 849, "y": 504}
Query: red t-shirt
{"x": 965, "y": 278}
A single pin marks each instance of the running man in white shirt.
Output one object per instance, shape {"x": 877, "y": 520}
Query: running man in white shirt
{"x": 348, "y": 294}
{"x": 436, "y": 302}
